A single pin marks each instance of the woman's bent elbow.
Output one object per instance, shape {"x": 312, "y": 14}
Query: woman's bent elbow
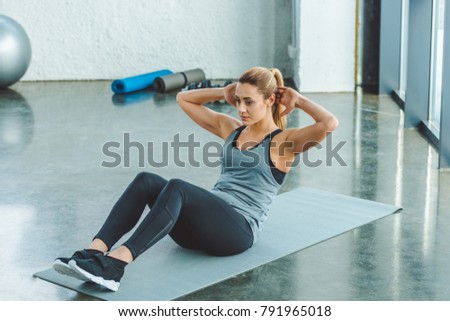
{"x": 332, "y": 124}
{"x": 179, "y": 97}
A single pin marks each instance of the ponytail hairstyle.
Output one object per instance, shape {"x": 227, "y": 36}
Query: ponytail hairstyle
{"x": 267, "y": 81}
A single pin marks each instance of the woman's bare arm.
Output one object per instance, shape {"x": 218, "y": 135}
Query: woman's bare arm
{"x": 192, "y": 102}
{"x": 301, "y": 139}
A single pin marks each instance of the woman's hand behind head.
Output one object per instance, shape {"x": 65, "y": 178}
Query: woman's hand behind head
{"x": 287, "y": 97}
{"x": 229, "y": 94}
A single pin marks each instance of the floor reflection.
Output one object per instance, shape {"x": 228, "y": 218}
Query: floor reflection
{"x": 16, "y": 123}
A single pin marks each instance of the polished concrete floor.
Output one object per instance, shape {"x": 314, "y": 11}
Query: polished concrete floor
{"x": 68, "y": 149}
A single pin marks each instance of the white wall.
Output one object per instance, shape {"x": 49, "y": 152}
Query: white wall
{"x": 327, "y": 46}
{"x": 108, "y": 39}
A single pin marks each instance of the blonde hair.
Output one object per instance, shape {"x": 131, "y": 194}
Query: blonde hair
{"x": 267, "y": 80}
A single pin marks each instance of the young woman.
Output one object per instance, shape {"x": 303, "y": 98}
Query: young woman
{"x": 226, "y": 220}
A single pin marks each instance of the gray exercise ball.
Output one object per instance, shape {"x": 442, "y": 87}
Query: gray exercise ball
{"x": 15, "y": 51}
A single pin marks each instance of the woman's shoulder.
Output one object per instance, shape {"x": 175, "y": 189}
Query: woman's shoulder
{"x": 228, "y": 127}
{"x": 280, "y": 149}
{"x": 282, "y": 135}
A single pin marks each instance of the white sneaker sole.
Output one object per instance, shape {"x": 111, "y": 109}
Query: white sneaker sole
{"x": 109, "y": 284}
{"x": 62, "y": 268}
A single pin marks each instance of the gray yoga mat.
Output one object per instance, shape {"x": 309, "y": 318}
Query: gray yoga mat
{"x": 297, "y": 219}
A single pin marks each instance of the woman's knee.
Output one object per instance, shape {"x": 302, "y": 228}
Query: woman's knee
{"x": 177, "y": 183}
{"x": 149, "y": 179}
{"x": 143, "y": 176}
{"x": 147, "y": 183}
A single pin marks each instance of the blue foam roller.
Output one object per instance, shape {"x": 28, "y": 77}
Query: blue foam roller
{"x": 130, "y": 84}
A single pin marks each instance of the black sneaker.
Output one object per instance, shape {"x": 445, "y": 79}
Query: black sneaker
{"x": 61, "y": 264}
{"x": 101, "y": 269}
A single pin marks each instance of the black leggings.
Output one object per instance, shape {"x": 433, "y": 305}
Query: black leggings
{"x": 194, "y": 218}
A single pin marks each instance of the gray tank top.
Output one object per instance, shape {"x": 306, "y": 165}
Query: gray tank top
{"x": 248, "y": 180}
